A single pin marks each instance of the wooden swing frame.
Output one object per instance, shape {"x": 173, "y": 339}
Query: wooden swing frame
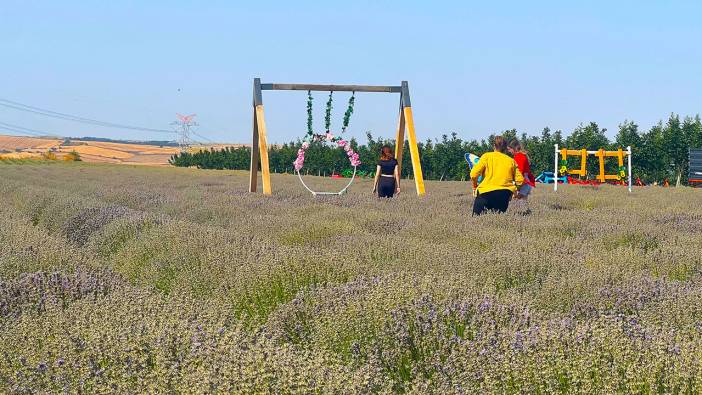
{"x": 259, "y": 146}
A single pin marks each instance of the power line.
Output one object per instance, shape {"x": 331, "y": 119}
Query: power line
{"x": 32, "y": 132}
{"x": 22, "y": 132}
{"x": 74, "y": 118}
{"x": 28, "y": 130}
{"x": 202, "y": 137}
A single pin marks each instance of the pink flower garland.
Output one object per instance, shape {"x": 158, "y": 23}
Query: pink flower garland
{"x": 353, "y": 156}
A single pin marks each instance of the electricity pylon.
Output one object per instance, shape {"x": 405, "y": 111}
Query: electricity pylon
{"x": 184, "y": 124}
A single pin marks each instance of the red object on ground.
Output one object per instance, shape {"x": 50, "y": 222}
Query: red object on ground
{"x": 578, "y": 181}
{"x": 336, "y": 176}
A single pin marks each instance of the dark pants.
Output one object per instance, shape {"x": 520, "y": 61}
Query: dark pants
{"x": 497, "y": 200}
{"x": 386, "y": 187}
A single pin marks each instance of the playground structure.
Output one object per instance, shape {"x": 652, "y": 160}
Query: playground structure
{"x": 561, "y": 167}
{"x": 259, "y": 146}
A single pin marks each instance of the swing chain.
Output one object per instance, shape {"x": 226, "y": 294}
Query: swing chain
{"x": 311, "y": 135}
{"x": 310, "y": 130}
{"x": 327, "y": 115}
{"x": 349, "y": 111}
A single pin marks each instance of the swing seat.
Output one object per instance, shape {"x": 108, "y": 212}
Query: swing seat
{"x": 341, "y": 192}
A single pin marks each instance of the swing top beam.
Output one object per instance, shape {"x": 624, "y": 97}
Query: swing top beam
{"x": 332, "y": 88}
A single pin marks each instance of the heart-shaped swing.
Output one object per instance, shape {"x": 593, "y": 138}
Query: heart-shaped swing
{"x": 329, "y": 137}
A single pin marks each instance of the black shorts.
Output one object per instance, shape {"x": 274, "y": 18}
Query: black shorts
{"x": 386, "y": 187}
{"x": 497, "y": 200}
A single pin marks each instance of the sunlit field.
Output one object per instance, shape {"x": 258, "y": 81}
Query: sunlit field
{"x": 152, "y": 280}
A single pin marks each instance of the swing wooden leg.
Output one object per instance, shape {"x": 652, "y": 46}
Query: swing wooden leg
{"x": 259, "y": 146}
{"x": 400, "y": 141}
{"x": 255, "y": 159}
{"x": 263, "y": 150}
{"x": 414, "y": 152}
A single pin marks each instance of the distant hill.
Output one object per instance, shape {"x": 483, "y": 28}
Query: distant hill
{"x": 158, "y": 143}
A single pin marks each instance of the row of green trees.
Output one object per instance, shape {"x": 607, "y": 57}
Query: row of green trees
{"x": 658, "y": 153}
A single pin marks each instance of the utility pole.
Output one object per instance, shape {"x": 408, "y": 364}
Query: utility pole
{"x": 184, "y": 124}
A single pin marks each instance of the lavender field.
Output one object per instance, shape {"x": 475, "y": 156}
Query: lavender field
{"x": 117, "y": 279}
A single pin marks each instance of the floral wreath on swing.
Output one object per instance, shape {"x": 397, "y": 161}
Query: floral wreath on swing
{"x": 311, "y": 137}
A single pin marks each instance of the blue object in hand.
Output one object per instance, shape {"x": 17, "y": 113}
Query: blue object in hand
{"x": 472, "y": 160}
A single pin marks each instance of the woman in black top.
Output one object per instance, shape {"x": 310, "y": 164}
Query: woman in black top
{"x": 387, "y": 179}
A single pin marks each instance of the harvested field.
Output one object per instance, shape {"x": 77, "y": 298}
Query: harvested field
{"x": 12, "y": 147}
{"x": 29, "y": 144}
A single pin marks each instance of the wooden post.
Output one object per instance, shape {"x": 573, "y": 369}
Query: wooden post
{"x": 620, "y": 162}
{"x": 263, "y": 151}
{"x": 400, "y": 139}
{"x": 555, "y": 168}
{"x": 628, "y": 152}
{"x": 412, "y": 138}
{"x": 600, "y": 154}
{"x": 583, "y": 163}
{"x": 259, "y": 139}
{"x": 253, "y": 173}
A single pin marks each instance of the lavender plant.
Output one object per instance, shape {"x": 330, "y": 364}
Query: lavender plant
{"x": 150, "y": 280}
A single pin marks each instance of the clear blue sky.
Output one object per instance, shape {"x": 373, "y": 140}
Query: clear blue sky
{"x": 473, "y": 68}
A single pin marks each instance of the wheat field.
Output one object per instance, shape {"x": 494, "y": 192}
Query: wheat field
{"x": 21, "y": 147}
{"x": 126, "y": 279}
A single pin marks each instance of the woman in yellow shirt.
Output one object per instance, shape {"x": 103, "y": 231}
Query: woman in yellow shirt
{"x": 501, "y": 179}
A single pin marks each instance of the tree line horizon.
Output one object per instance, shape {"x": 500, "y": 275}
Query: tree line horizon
{"x": 658, "y": 154}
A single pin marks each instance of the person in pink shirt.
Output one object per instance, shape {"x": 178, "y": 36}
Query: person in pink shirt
{"x": 520, "y": 156}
